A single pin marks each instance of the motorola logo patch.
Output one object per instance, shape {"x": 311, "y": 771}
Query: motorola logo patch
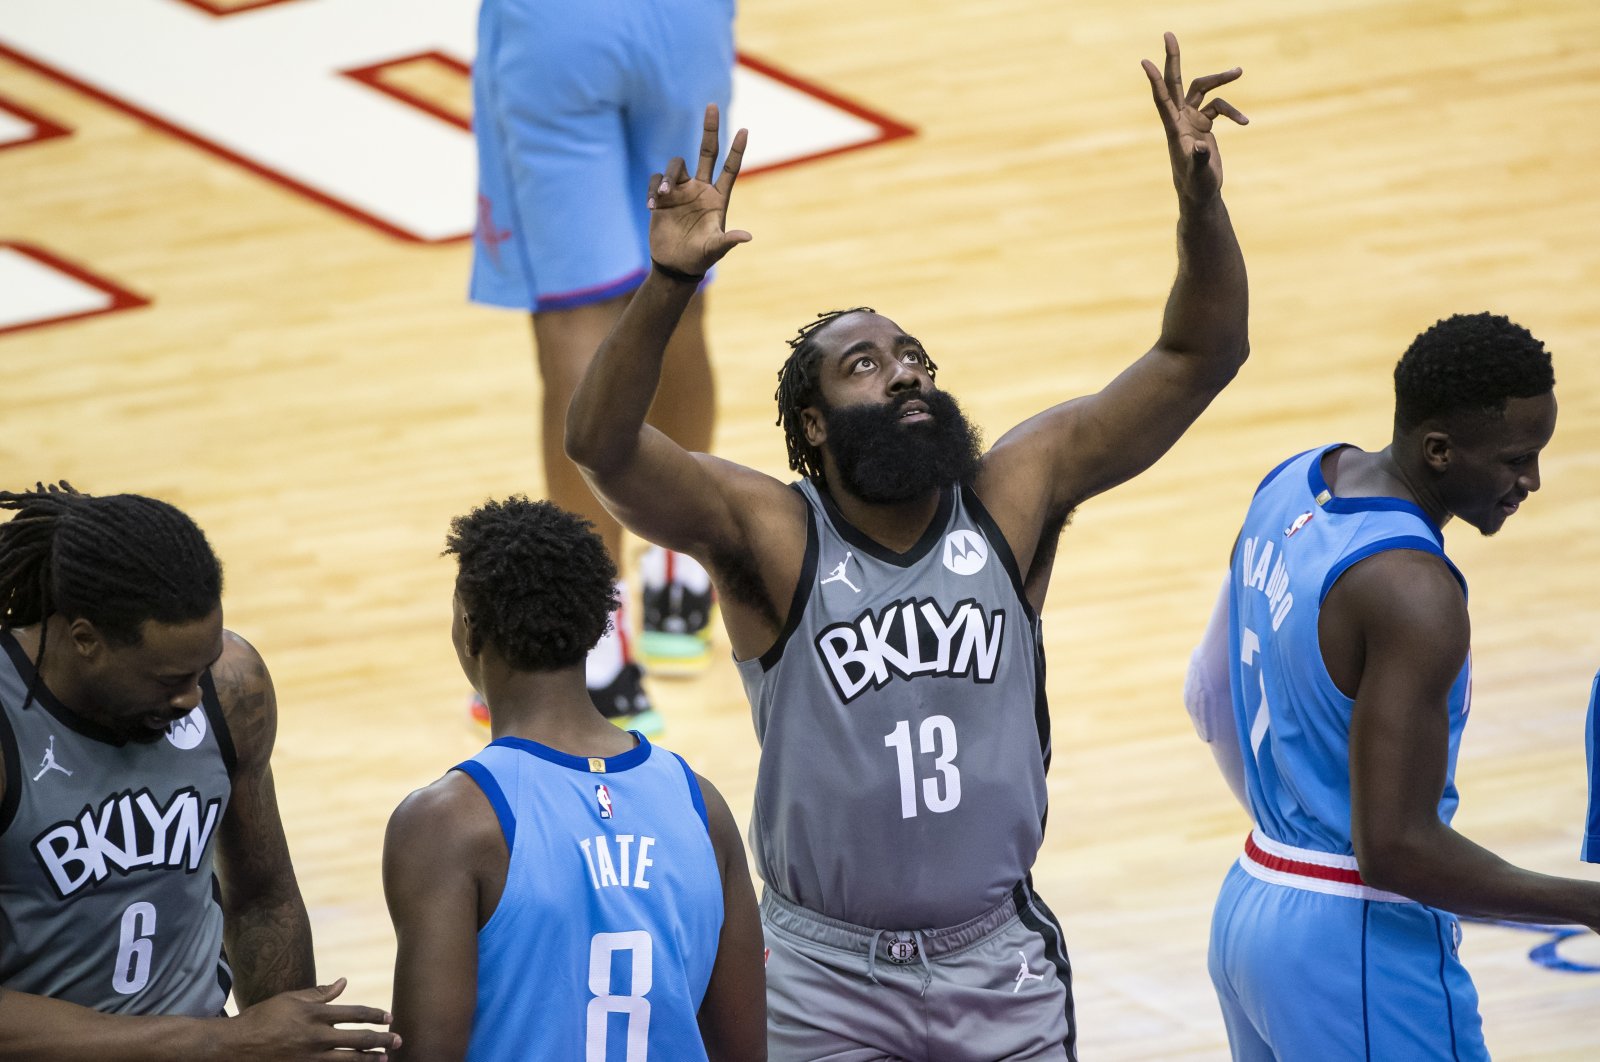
{"x": 188, "y": 732}
{"x": 965, "y": 552}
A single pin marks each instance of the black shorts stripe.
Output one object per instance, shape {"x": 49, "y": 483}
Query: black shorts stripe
{"x": 1039, "y": 918}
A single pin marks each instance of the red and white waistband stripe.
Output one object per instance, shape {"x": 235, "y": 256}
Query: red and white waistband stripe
{"x": 1303, "y": 868}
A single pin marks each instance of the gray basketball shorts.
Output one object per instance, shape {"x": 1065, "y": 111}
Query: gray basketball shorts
{"x": 996, "y": 987}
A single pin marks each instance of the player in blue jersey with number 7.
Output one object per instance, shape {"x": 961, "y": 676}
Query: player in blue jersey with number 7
{"x": 1334, "y": 683}
{"x": 572, "y": 891}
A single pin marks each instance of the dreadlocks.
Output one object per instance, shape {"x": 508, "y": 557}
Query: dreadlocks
{"x": 797, "y": 388}
{"x": 115, "y": 561}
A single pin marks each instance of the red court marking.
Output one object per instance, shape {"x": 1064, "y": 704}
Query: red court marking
{"x": 337, "y": 205}
{"x": 888, "y": 128}
{"x": 121, "y": 298}
{"x": 216, "y": 10}
{"x": 372, "y": 77}
{"x": 43, "y": 128}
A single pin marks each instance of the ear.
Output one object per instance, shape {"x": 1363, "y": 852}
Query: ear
{"x": 814, "y": 426}
{"x": 1436, "y": 450}
{"x": 474, "y": 642}
{"x": 86, "y": 638}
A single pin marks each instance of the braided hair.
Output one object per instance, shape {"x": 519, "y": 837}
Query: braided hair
{"x": 116, "y": 561}
{"x": 797, "y": 389}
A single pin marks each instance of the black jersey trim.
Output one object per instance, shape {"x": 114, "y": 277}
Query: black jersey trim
{"x": 219, "y": 722}
{"x": 44, "y": 698}
{"x": 857, "y": 538}
{"x": 997, "y": 543}
{"x": 14, "y": 778}
{"x": 224, "y": 966}
{"x": 802, "y": 589}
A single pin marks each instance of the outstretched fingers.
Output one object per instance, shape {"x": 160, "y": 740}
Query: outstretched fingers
{"x": 731, "y": 167}
{"x": 1172, "y": 74}
{"x": 1224, "y": 108}
{"x": 1158, "y": 91}
{"x": 708, "y": 145}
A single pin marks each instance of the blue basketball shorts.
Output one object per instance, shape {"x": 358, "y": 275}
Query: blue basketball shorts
{"x": 1306, "y": 967}
{"x": 574, "y": 107}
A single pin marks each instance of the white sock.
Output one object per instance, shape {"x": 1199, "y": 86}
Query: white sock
{"x": 610, "y": 654}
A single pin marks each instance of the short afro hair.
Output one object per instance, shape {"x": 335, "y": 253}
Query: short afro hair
{"x": 1469, "y": 363}
{"x": 535, "y": 579}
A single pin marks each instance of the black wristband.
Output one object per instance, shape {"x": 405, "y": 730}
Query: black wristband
{"x": 677, "y": 274}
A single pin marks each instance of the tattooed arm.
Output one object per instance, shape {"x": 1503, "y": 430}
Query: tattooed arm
{"x": 268, "y": 934}
{"x": 268, "y": 937}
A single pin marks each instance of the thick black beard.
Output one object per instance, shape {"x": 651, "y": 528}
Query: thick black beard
{"x": 882, "y": 461}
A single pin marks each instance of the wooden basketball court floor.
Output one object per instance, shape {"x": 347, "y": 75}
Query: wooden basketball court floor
{"x": 320, "y": 396}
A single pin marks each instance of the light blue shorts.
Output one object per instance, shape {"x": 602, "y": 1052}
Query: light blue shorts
{"x": 574, "y": 107}
{"x": 1303, "y": 974}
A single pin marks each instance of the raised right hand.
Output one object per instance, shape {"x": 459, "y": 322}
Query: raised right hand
{"x": 300, "y": 1026}
{"x": 687, "y": 214}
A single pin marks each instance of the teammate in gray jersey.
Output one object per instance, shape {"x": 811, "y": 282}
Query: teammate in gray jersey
{"x": 135, "y": 740}
{"x": 884, "y": 613}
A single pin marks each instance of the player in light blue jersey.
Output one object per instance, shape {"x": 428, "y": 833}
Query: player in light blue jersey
{"x": 1333, "y": 683}
{"x": 573, "y": 891}
{"x": 573, "y": 106}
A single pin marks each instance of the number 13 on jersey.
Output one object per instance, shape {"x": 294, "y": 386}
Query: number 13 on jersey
{"x": 936, "y": 737}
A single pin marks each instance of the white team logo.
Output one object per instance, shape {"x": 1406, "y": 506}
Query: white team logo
{"x": 1024, "y": 975}
{"x": 965, "y": 552}
{"x": 188, "y": 732}
{"x": 602, "y": 796}
{"x": 49, "y": 763}
{"x": 838, "y": 575}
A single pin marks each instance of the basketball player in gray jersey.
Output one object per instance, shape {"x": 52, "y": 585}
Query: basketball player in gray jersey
{"x": 135, "y": 738}
{"x": 884, "y": 613}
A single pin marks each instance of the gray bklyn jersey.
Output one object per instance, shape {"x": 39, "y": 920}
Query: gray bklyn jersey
{"x": 107, "y": 898}
{"x": 903, "y": 727}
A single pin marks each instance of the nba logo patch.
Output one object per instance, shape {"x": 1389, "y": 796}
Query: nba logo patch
{"x": 602, "y": 797}
{"x": 1300, "y": 521}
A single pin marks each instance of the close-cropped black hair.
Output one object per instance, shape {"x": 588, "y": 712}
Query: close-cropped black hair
{"x": 1469, "y": 363}
{"x": 535, "y": 579}
{"x": 797, "y": 389}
